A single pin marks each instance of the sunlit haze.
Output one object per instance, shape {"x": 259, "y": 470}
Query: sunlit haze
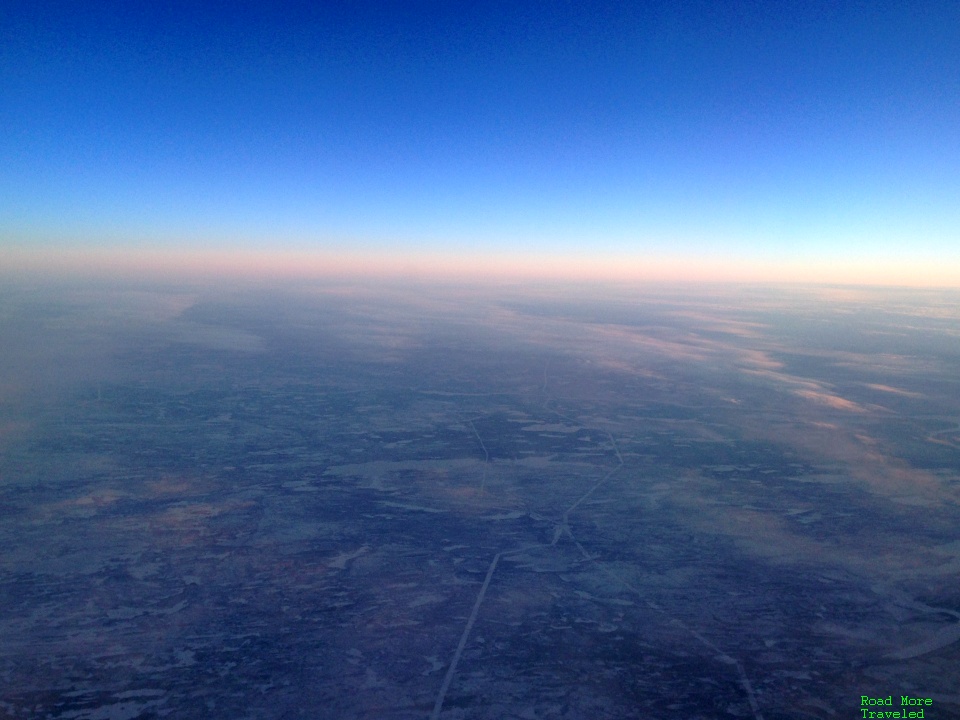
{"x": 479, "y": 360}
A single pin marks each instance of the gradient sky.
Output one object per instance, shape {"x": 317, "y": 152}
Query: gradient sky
{"x": 762, "y": 134}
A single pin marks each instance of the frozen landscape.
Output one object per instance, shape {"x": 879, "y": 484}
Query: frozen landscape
{"x": 340, "y": 501}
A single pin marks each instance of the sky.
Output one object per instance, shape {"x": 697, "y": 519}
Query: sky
{"x": 699, "y": 140}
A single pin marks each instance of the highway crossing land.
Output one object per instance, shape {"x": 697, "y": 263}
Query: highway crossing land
{"x": 427, "y": 503}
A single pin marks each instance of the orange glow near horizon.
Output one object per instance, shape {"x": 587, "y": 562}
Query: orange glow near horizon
{"x": 254, "y": 264}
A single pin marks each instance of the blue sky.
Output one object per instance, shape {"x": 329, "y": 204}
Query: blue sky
{"x": 762, "y": 131}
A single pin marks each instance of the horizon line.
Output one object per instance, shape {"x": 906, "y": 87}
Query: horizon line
{"x": 70, "y": 260}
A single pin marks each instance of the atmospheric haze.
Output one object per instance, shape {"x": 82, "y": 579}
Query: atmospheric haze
{"x": 412, "y": 501}
{"x": 533, "y": 361}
